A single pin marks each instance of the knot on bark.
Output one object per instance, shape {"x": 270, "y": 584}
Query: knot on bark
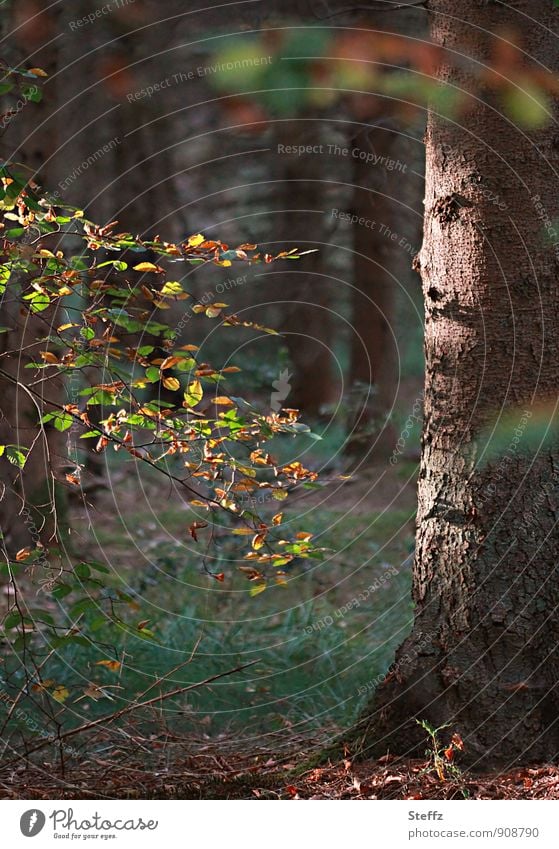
{"x": 447, "y": 208}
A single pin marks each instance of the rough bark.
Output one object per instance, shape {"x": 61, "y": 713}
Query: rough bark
{"x": 483, "y": 653}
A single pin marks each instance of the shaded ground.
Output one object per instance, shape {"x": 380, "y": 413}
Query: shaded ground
{"x": 216, "y": 771}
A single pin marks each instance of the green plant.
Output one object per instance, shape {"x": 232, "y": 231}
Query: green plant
{"x": 441, "y": 756}
{"x": 95, "y": 319}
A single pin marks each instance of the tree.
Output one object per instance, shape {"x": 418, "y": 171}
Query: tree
{"x": 483, "y": 653}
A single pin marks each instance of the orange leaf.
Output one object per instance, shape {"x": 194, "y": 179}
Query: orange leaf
{"x": 113, "y": 665}
{"x": 169, "y": 362}
{"x": 258, "y": 541}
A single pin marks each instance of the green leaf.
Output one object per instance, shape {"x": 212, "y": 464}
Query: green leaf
{"x": 152, "y": 374}
{"x": 61, "y": 591}
{"x": 11, "y": 620}
{"x": 82, "y": 570}
{"x": 17, "y": 455}
{"x": 33, "y": 93}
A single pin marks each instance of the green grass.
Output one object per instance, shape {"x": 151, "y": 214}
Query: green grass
{"x": 315, "y": 641}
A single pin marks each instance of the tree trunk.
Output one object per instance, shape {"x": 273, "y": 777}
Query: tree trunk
{"x": 373, "y": 375}
{"x": 483, "y": 653}
{"x": 305, "y": 293}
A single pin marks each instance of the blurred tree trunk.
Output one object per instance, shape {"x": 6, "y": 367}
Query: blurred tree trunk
{"x": 32, "y": 500}
{"x": 483, "y": 654}
{"x": 305, "y": 292}
{"x": 373, "y": 372}
{"x": 388, "y": 198}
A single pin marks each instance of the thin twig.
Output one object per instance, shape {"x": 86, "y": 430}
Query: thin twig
{"x": 128, "y": 708}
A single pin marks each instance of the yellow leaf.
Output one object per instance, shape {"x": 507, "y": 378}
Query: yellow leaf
{"x": 256, "y": 590}
{"x": 172, "y": 287}
{"x": 213, "y": 311}
{"x": 276, "y": 520}
{"x": 195, "y": 240}
{"x": 46, "y": 254}
{"x": 38, "y": 72}
{"x": 113, "y": 665}
{"x": 171, "y": 383}
{"x": 60, "y": 693}
{"x": 223, "y": 401}
{"x": 242, "y": 532}
{"x": 49, "y": 357}
{"x": 147, "y": 266}
{"x": 193, "y": 394}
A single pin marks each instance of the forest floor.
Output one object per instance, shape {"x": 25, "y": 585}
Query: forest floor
{"x": 203, "y": 771}
{"x": 250, "y": 736}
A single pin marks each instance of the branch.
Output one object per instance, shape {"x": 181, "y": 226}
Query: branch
{"x": 111, "y": 437}
{"x": 380, "y": 6}
{"x": 129, "y": 708}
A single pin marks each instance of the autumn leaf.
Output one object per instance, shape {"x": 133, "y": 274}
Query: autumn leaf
{"x": 457, "y": 742}
{"x": 148, "y": 266}
{"x": 169, "y": 362}
{"x": 171, "y": 383}
{"x": 23, "y": 554}
{"x": 172, "y": 287}
{"x": 196, "y": 526}
{"x": 195, "y": 241}
{"x": 193, "y": 394}
{"x": 258, "y": 541}
{"x": 60, "y": 693}
{"x": 49, "y": 357}
{"x": 113, "y": 665}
